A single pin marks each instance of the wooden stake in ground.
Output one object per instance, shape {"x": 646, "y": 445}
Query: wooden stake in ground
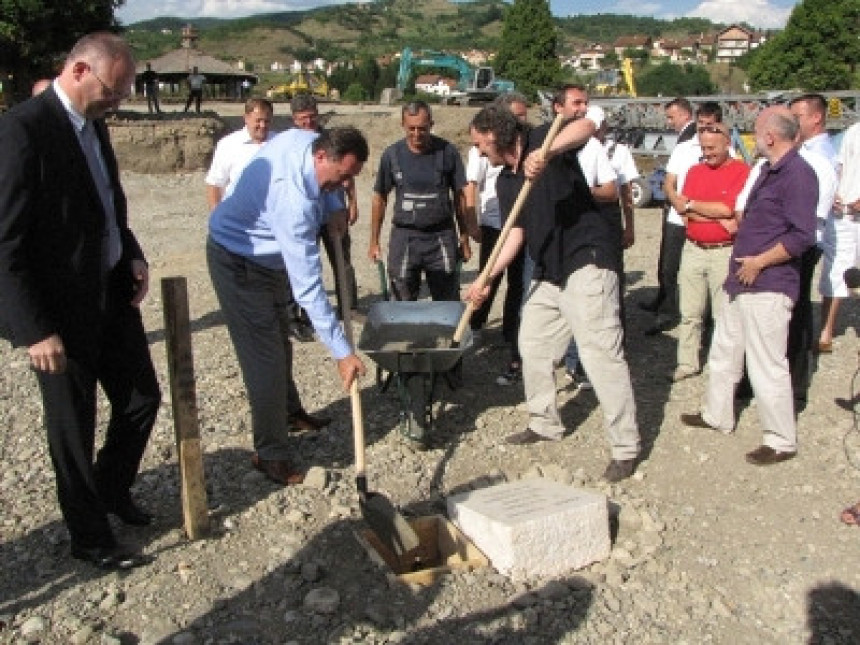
{"x": 183, "y": 396}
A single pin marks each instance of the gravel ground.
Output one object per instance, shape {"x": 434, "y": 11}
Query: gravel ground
{"x": 706, "y": 548}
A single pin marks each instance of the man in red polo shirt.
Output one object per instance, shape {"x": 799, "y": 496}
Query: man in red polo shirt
{"x": 706, "y": 201}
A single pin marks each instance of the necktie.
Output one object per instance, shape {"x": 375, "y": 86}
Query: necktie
{"x": 111, "y": 243}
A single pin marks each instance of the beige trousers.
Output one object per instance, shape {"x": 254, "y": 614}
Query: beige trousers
{"x": 586, "y": 307}
{"x": 753, "y": 326}
{"x": 700, "y": 280}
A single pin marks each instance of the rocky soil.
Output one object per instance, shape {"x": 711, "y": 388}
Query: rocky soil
{"x": 706, "y": 549}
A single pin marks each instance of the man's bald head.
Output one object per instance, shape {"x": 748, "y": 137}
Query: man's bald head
{"x": 775, "y": 131}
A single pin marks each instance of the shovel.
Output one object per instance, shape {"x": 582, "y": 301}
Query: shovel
{"x": 481, "y": 281}
{"x": 384, "y": 520}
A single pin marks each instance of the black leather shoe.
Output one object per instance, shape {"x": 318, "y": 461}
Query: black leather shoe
{"x": 301, "y": 331}
{"x": 111, "y": 558}
{"x": 129, "y": 513}
{"x": 303, "y": 422}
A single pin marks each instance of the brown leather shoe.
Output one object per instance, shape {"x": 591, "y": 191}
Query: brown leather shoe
{"x": 619, "y": 469}
{"x": 301, "y": 421}
{"x": 767, "y": 456}
{"x": 697, "y": 421}
{"x": 278, "y": 470}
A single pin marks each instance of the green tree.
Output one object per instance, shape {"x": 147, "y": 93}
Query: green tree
{"x": 527, "y": 54}
{"x": 35, "y": 35}
{"x": 668, "y": 79}
{"x": 817, "y": 50}
{"x": 355, "y": 93}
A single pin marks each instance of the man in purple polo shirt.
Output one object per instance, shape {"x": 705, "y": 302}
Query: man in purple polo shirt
{"x": 778, "y": 225}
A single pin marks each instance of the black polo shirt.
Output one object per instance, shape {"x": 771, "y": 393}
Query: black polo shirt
{"x": 564, "y": 228}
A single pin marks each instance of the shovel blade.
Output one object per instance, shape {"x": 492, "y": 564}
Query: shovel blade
{"x": 388, "y": 524}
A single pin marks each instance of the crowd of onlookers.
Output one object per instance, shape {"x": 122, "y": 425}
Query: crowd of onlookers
{"x": 738, "y": 251}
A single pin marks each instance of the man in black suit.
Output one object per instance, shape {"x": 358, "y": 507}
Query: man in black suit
{"x": 71, "y": 278}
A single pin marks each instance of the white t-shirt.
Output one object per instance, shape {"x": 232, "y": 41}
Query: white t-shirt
{"x": 821, "y": 144}
{"x": 232, "y": 154}
{"x": 484, "y": 174}
{"x": 849, "y": 164}
{"x": 595, "y": 164}
{"x": 622, "y": 161}
{"x": 685, "y": 155}
{"x": 196, "y": 81}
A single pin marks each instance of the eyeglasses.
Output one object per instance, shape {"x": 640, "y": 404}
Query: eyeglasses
{"x": 109, "y": 93}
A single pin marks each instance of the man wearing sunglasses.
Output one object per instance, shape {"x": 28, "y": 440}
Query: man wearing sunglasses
{"x": 685, "y": 155}
{"x": 72, "y": 276}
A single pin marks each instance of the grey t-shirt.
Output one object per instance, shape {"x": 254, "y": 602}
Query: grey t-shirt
{"x": 421, "y": 173}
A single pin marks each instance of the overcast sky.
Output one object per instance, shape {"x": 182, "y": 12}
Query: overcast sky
{"x": 761, "y": 13}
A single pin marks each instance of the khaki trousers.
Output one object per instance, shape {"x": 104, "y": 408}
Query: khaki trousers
{"x": 586, "y": 307}
{"x": 753, "y": 326}
{"x": 700, "y": 280}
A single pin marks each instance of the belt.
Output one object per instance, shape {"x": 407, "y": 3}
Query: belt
{"x": 711, "y": 245}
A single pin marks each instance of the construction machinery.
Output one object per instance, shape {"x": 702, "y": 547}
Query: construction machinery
{"x": 607, "y": 82}
{"x": 303, "y": 82}
{"x": 474, "y": 84}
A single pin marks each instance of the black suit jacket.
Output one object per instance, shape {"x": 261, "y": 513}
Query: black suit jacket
{"x": 51, "y": 227}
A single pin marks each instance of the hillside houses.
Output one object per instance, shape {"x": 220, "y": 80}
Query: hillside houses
{"x": 724, "y": 46}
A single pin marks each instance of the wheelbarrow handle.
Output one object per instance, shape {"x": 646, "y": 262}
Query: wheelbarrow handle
{"x": 482, "y": 279}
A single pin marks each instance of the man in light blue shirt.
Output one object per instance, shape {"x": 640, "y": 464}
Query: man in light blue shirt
{"x": 262, "y": 235}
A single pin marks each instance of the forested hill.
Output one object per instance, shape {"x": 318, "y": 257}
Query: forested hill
{"x": 383, "y": 27}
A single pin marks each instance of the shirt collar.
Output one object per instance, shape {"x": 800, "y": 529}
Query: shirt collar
{"x": 78, "y": 120}
{"x": 812, "y": 143}
{"x": 768, "y": 167}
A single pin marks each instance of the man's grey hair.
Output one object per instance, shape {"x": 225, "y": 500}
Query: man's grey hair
{"x": 414, "y": 108}
{"x": 785, "y": 126}
{"x": 303, "y": 102}
{"x": 509, "y": 98}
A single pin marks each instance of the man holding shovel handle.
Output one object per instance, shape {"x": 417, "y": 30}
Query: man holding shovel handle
{"x": 263, "y": 234}
{"x": 574, "y": 289}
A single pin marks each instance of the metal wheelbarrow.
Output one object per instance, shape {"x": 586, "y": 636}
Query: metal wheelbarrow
{"x": 412, "y": 342}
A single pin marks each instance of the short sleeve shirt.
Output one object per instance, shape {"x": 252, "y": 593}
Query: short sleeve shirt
{"x": 480, "y": 171}
{"x": 707, "y": 184}
{"x": 420, "y": 168}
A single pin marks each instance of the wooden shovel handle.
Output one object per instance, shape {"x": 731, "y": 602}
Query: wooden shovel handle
{"x": 481, "y": 281}
{"x": 354, "y": 394}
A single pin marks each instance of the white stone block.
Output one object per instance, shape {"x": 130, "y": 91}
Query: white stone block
{"x": 534, "y": 527}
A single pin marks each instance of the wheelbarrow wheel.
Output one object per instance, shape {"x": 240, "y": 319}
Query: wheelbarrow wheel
{"x": 418, "y": 412}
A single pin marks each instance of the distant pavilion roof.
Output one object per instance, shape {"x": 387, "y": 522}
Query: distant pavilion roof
{"x": 180, "y": 62}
